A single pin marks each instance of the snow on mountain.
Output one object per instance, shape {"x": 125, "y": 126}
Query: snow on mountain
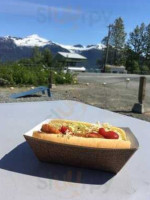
{"x": 35, "y": 40}
{"x": 72, "y": 48}
{"x": 31, "y": 41}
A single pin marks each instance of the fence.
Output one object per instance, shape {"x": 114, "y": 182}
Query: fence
{"x": 115, "y": 92}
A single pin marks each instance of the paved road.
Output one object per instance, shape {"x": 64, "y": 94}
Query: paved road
{"x": 101, "y": 77}
{"x": 85, "y": 74}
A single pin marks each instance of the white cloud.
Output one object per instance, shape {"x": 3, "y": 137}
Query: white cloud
{"x": 30, "y": 9}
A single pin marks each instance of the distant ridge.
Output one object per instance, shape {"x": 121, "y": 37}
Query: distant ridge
{"x": 15, "y": 48}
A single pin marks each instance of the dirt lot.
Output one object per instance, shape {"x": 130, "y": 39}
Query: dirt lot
{"x": 108, "y": 92}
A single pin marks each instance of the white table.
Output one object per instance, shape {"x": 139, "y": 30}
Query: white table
{"x": 22, "y": 176}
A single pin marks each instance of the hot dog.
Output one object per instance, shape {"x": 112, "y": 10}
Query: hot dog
{"x": 83, "y": 134}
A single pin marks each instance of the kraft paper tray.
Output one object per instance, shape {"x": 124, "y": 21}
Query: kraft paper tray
{"x": 111, "y": 160}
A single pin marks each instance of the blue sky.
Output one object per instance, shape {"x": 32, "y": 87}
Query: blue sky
{"x": 69, "y": 21}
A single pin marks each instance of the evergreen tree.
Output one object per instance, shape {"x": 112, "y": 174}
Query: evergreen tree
{"x": 47, "y": 57}
{"x": 37, "y": 56}
{"x": 118, "y": 37}
{"x": 131, "y": 64}
{"x": 104, "y": 40}
{"x": 118, "y": 34}
{"x": 137, "y": 39}
{"x": 138, "y": 43}
{"x": 116, "y": 55}
{"x": 147, "y": 46}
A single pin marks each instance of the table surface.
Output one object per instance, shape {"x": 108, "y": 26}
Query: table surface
{"x": 22, "y": 176}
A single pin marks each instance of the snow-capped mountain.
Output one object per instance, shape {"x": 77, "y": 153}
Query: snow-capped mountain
{"x": 35, "y": 40}
{"x": 14, "y": 48}
{"x": 79, "y": 48}
{"x": 31, "y": 41}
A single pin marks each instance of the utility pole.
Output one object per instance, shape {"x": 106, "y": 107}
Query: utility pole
{"x": 107, "y": 46}
{"x": 50, "y": 78}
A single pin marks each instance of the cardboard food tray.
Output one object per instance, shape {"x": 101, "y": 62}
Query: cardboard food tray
{"x": 111, "y": 160}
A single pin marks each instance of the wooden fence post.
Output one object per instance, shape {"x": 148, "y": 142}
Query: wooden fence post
{"x": 139, "y": 107}
{"x": 50, "y": 79}
{"x": 142, "y": 87}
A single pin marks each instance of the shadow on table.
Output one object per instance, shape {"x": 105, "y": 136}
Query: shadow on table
{"x": 22, "y": 160}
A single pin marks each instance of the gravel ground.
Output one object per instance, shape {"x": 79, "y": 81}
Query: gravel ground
{"x": 115, "y": 95}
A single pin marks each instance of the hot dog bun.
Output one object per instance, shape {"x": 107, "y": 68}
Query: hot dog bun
{"x": 85, "y": 142}
{"x": 121, "y": 143}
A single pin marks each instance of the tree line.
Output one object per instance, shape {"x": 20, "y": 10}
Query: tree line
{"x": 132, "y": 51}
{"x": 39, "y": 69}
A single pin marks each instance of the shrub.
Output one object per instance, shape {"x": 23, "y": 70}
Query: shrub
{"x": 4, "y": 82}
{"x": 18, "y": 74}
{"x": 145, "y": 70}
{"x": 64, "y": 78}
{"x": 107, "y": 69}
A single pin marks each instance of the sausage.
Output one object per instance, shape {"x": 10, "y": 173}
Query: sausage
{"x": 48, "y": 128}
{"x": 94, "y": 135}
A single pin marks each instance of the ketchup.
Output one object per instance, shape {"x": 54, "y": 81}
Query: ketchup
{"x": 108, "y": 134}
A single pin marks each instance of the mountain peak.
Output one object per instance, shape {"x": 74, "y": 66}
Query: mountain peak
{"x": 7, "y": 37}
{"x": 36, "y": 40}
{"x": 35, "y": 36}
{"x": 31, "y": 41}
{"x": 78, "y": 45}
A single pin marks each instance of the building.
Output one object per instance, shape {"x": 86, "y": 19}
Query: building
{"x": 71, "y": 61}
{"x": 116, "y": 69}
